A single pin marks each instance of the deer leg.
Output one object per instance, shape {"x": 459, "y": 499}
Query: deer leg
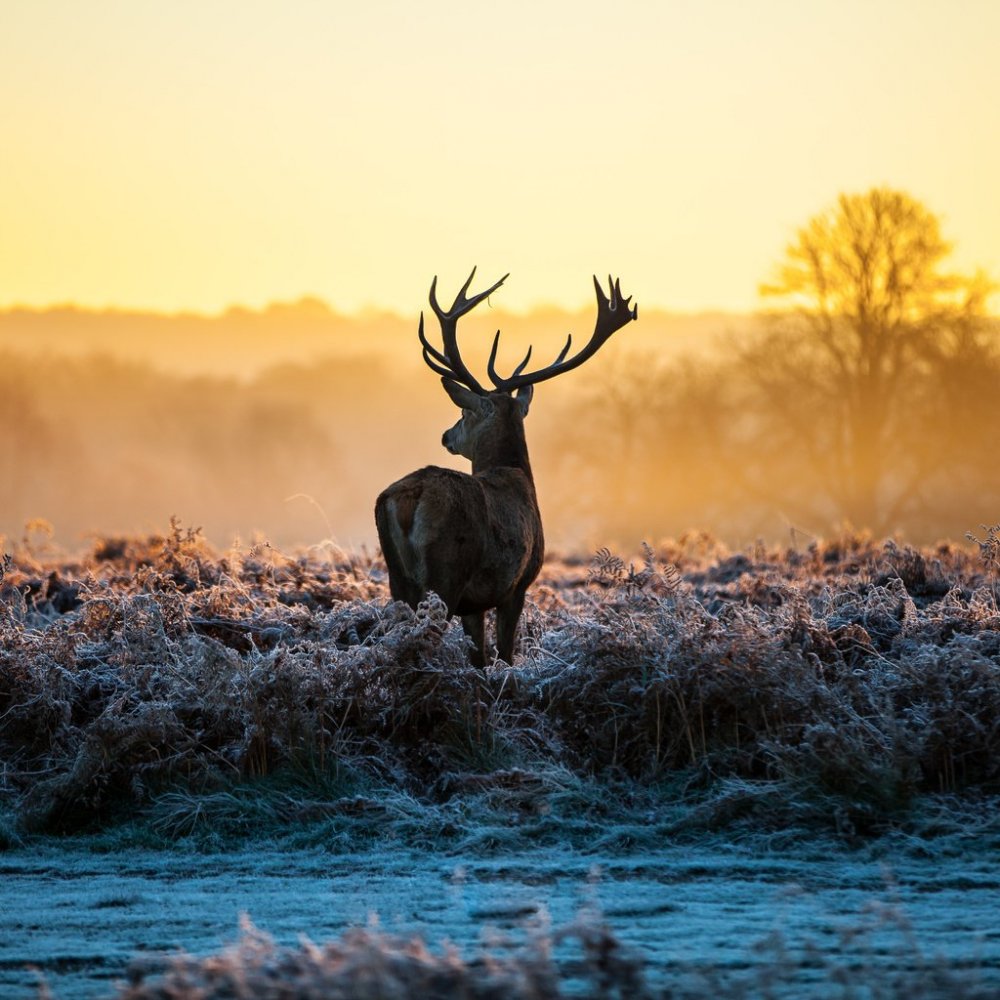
{"x": 508, "y": 615}
{"x": 475, "y": 629}
{"x": 402, "y": 586}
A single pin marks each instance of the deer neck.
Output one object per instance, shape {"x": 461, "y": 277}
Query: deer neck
{"x": 508, "y": 450}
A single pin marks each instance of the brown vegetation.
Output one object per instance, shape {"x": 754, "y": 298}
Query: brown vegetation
{"x": 832, "y": 685}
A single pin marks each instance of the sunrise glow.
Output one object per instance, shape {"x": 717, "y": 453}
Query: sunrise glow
{"x": 186, "y": 157}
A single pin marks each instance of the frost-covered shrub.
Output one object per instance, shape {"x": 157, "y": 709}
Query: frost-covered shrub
{"x": 584, "y": 959}
{"x": 869, "y": 672}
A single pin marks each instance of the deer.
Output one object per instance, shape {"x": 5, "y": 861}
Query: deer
{"x": 475, "y": 539}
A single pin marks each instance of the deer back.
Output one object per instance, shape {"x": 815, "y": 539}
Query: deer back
{"x": 473, "y": 539}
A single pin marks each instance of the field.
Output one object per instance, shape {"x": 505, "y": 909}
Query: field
{"x": 827, "y": 718}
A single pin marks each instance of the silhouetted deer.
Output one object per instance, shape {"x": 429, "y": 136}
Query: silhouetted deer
{"x": 476, "y": 540}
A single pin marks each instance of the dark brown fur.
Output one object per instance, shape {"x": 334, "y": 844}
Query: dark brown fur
{"x": 475, "y": 540}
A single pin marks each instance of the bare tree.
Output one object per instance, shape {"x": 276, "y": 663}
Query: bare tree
{"x": 860, "y": 368}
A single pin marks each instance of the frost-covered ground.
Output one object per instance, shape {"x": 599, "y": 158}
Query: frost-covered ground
{"x": 711, "y": 749}
{"x": 798, "y": 922}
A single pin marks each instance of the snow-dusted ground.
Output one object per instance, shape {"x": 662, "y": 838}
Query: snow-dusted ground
{"x": 81, "y": 917}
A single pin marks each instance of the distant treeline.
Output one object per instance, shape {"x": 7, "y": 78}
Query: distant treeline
{"x": 285, "y": 422}
{"x": 244, "y": 342}
{"x": 637, "y": 447}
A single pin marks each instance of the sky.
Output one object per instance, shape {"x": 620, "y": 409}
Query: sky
{"x": 193, "y": 155}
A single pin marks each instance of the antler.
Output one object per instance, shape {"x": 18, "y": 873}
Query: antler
{"x": 612, "y": 314}
{"x": 449, "y": 363}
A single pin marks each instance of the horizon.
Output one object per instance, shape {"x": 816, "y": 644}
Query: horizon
{"x": 315, "y": 305}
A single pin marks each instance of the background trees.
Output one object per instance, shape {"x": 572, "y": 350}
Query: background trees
{"x": 866, "y": 398}
{"x": 879, "y": 360}
{"x": 864, "y": 377}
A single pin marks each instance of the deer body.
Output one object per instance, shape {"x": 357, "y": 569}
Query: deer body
{"x": 476, "y": 539}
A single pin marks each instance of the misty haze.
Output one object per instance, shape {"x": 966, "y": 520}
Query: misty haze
{"x": 284, "y": 424}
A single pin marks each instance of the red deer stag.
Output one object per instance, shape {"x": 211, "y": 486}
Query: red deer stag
{"x": 476, "y": 540}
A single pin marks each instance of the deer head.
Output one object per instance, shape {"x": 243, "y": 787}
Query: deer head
{"x": 482, "y": 417}
{"x": 486, "y": 413}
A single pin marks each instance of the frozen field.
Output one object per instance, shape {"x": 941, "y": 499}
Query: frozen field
{"x": 792, "y": 922}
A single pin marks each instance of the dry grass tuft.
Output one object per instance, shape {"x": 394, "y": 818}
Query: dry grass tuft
{"x": 584, "y": 959}
{"x": 367, "y": 963}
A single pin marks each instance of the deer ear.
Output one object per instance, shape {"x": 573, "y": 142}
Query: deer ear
{"x": 463, "y": 398}
{"x": 523, "y": 398}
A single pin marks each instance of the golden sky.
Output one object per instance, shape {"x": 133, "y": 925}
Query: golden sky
{"x": 193, "y": 154}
